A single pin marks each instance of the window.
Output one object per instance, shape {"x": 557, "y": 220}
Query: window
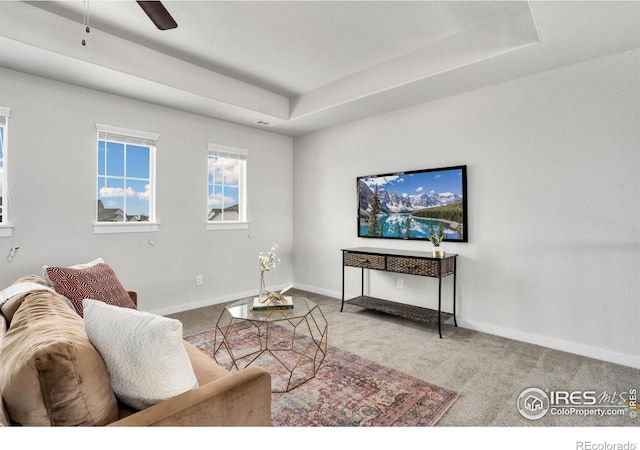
{"x": 125, "y": 182}
{"x": 226, "y": 187}
{"x": 5, "y": 228}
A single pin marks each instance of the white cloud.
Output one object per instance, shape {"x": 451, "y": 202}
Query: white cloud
{"x": 108, "y": 192}
{"x": 217, "y": 200}
{"x": 111, "y": 192}
{"x": 144, "y": 195}
{"x": 420, "y": 189}
{"x": 227, "y": 170}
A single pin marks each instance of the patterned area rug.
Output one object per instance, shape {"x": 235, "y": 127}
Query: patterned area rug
{"x": 349, "y": 390}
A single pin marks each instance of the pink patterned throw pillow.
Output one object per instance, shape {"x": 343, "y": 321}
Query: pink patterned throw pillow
{"x": 98, "y": 282}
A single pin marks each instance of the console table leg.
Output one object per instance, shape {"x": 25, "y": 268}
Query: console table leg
{"x": 455, "y": 322}
{"x": 439, "y": 305}
{"x": 342, "y": 305}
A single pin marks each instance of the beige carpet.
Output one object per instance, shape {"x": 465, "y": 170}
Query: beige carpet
{"x": 488, "y": 372}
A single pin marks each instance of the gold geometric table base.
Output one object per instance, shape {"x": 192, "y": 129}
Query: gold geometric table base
{"x": 291, "y": 344}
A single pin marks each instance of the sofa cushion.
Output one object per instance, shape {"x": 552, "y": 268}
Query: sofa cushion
{"x": 97, "y": 282}
{"x": 50, "y": 374}
{"x": 205, "y": 367}
{"x": 144, "y": 353}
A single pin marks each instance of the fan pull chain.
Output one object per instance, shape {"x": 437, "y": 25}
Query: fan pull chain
{"x": 85, "y": 19}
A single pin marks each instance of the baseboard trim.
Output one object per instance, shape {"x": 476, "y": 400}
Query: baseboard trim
{"x": 317, "y": 290}
{"x": 213, "y": 301}
{"x": 556, "y": 344}
{"x": 530, "y": 338}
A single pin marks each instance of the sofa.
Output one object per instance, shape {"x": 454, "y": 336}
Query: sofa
{"x": 57, "y": 367}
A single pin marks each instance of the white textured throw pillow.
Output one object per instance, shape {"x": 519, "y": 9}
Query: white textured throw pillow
{"x": 143, "y": 352}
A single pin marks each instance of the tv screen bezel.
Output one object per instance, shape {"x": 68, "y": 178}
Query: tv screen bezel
{"x": 465, "y": 221}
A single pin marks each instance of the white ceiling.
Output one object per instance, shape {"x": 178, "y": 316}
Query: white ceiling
{"x": 306, "y": 65}
{"x": 289, "y": 47}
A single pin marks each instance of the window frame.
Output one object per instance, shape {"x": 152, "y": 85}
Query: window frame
{"x": 241, "y": 154}
{"x": 6, "y": 227}
{"x": 127, "y": 136}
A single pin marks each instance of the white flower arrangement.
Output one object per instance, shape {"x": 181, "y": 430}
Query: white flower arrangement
{"x": 270, "y": 260}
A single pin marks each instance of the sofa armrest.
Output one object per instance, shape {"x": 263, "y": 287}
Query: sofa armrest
{"x": 134, "y": 296}
{"x": 241, "y": 398}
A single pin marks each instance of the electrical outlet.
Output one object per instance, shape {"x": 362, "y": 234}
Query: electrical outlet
{"x": 399, "y": 283}
{"x": 198, "y": 280}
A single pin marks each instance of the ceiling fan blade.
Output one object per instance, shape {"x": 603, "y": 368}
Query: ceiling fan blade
{"x": 158, "y": 15}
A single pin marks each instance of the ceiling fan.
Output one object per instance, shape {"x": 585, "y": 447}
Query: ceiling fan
{"x": 158, "y": 14}
{"x": 154, "y": 9}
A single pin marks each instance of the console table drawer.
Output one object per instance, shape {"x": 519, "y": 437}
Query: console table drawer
{"x": 364, "y": 260}
{"x": 414, "y": 266}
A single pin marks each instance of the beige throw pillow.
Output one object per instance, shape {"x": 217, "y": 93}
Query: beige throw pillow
{"x": 50, "y": 374}
{"x": 144, "y": 353}
{"x": 11, "y": 299}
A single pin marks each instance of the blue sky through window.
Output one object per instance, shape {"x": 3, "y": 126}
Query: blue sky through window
{"x": 224, "y": 182}
{"x": 124, "y": 177}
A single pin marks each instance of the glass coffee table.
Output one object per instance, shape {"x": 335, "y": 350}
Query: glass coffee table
{"x": 290, "y": 343}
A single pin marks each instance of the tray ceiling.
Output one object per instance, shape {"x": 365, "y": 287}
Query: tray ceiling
{"x": 301, "y": 66}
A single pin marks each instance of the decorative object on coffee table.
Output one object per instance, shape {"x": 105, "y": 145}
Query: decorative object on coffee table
{"x": 267, "y": 262}
{"x": 274, "y": 300}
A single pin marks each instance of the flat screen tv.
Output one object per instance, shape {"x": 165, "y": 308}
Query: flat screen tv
{"x": 414, "y": 205}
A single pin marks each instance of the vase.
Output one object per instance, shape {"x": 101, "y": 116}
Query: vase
{"x": 438, "y": 252}
{"x": 262, "y": 292}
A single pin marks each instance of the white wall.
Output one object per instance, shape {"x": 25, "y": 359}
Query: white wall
{"x": 52, "y": 185}
{"x": 554, "y": 201}
{"x": 554, "y": 204}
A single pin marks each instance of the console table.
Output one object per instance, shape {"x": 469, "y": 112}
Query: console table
{"x": 400, "y": 261}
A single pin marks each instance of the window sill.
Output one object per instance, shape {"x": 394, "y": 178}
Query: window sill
{"x": 125, "y": 227}
{"x": 212, "y": 226}
{"x": 6, "y": 230}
